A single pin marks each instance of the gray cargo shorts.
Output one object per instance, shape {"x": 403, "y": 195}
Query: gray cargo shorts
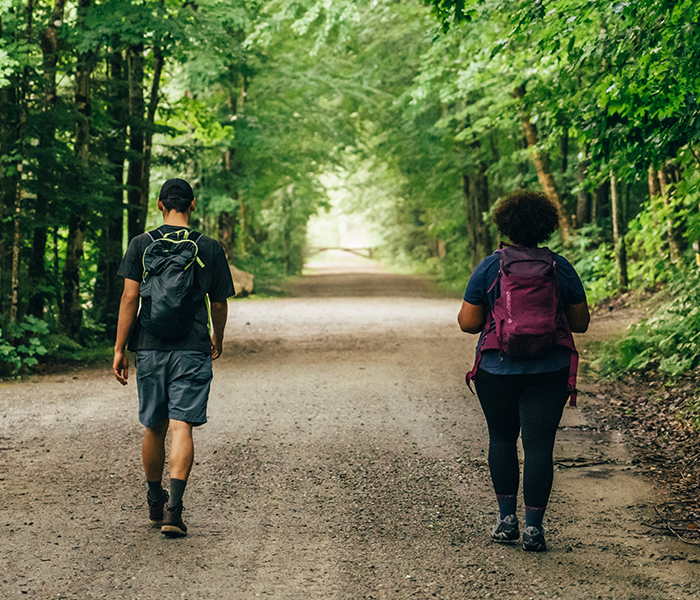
{"x": 173, "y": 385}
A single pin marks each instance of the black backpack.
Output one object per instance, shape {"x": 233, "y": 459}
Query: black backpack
{"x": 169, "y": 303}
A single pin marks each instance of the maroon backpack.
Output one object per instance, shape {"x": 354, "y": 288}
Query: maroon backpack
{"x": 528, "y": 318}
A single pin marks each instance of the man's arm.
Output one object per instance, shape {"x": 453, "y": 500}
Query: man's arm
{"x": 219, "y": 316}
{"x": 128, "y": 308}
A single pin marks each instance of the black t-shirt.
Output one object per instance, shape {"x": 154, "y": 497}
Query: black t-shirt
{"x": 213, "y": 280}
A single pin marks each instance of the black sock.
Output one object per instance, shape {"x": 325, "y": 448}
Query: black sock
{"x": 177, "y": 489}
{"x": 534, "y": 516}
{"x": 155, "y": 490}
{"x": 507, "y": 504}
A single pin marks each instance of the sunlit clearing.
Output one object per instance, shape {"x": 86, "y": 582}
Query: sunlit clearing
{"x": 339, "y": 240}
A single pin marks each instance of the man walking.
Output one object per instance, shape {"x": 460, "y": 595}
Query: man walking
{"x": 173, "y": 358}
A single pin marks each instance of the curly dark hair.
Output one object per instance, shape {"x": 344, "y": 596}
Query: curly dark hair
{"x": 527, "y": 218}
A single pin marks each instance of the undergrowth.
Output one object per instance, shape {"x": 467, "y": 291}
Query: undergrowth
{"x": 668, "y": 342}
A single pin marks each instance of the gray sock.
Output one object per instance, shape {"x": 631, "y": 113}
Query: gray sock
{"x": 155, "y": 490}
{"x": 177, "y": 489}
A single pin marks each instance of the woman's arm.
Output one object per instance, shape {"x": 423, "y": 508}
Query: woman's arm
{"x": 578, "y": 317}
{"x": 472, "y": 317}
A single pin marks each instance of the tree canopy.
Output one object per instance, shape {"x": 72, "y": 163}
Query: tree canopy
{"x": 425, "y": 114}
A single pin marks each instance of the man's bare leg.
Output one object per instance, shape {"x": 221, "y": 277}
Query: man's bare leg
{"x": 181, "y": 458}
{"x": 153, "y": 453}
{"x": 153, "y": 456}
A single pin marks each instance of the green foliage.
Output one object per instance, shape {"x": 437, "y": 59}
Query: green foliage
{"x": 276, "y": 109}
{"x": 668, "y": 342}
{"x": 21, "y": 342}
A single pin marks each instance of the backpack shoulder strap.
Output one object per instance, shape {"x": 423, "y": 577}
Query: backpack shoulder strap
{"x": 156, "y": 234}
{"x": 194, "y": 236}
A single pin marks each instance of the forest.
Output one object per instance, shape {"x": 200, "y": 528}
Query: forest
{"x": 418, "y": 116}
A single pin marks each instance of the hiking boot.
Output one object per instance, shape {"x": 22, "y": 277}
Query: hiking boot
{"x": 533, "y": 539}
{"x": 173, "y": 525}
{"x": 155, "y": 509}
{"x": 506, "y": 529}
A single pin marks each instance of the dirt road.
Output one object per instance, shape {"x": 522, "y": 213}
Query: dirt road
{"x": 344, "y": 458}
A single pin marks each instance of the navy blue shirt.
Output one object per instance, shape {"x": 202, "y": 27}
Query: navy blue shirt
{"x": 477, "y": 293}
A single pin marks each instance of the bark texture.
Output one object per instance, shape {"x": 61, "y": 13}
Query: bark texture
{"x": 583, "y": 199}
{"x": 137, "y": 134}
{"x": 46, "y": 176}
{"x": 476, "y": 203}
{"x": 141, "y": 123}
{"x": 72, "y": 313}
{"x": 618, "y": 233}
{"x": 109, "y": 286}
{"x": 542, "y": 165}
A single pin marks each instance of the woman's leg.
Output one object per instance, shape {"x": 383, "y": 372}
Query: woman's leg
{"x": 498, "y": 396}
{"x": 542, "y": 402}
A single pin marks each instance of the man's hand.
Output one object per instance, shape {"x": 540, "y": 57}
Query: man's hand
{"x": 219, "y": 315}
{"x": 217, "y": 347}
{"x": 120, "y": 366}
{"x": 128, "y": 308}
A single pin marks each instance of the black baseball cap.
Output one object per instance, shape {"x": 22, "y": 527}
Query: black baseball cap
{"x": 174, "y": 189}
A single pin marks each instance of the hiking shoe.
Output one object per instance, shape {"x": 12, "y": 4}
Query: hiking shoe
{"x": 533, "y": 539}
{"x": 155, "y": 509}
{"x": 173, "y": 525}
{"x": 506, "y": 529}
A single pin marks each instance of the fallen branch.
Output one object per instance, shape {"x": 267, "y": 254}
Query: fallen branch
{"x": 674, "y": 532}
{"x": 575, "y": 464}
{"x": 665, "y": 528}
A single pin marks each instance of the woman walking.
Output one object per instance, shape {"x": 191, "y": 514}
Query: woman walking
{"x": 522, "y": 387}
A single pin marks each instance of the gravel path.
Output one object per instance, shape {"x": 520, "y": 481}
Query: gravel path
{"x": 344, "y": 458}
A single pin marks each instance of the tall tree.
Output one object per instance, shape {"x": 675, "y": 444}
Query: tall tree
{"x": 71, "y": 317}
{"x": 618, "y": 233}
{"x": 46, "y": 176}
{"x": 21, "y": 143}
{"x": 542, "y": 163}
{"x": 108, "y": 287}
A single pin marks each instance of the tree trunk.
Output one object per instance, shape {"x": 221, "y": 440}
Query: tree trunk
{"x": 2, "y": 183}
{"x": 227, "y": 233}
{"x": 71, "y": 317}
{"x": 471, "y": 212}
{"x": 674, "y": 243}
{"x": 46, "y": 176}
{"x": 542, "y": 165}
{"x": 21, "y": 136}
{"x": 108, "y": 287}
{"x": 228, "y": 220}
{"x": 476, "y": 199}
{"x": 5, "y": 147}
{"x": 653, "y": 182}
{"x": 584, "y": 198}
{"x": 618, "y": 234}
{"x": 241, "y": 233}
{"x": 150, "y": 122}
{"x": 57, "y": 271}
{"x": 137, "y": 223}
{"x": 480, "y": 191}
{"x": 16, "y": 244}
{"x": 565, "y": 149}
{"x": 601, "y": 199}
{"x": 141, "y": 135}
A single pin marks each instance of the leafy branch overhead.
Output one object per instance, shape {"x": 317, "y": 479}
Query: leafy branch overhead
{"x": 414, "y": 117}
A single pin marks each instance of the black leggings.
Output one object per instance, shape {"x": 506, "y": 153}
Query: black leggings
{"x": 534, "y": 403}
